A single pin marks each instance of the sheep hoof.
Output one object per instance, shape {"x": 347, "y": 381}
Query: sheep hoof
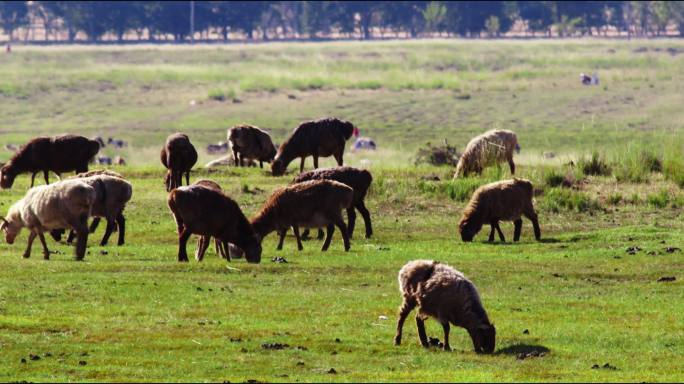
{"x": 447, "y": 348}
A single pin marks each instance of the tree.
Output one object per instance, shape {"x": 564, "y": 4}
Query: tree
{"x": 404, "y": 15}
{"x": 493, "y": 26}
{"x": 537, "y": 14}
{"x": 13, "y": 14}
{"x": 434, "y": 15}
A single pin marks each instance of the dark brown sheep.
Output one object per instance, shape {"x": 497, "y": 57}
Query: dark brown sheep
{"x": 252, "y": 143}
{"x": 311, "y": 204}
{"x": 317, "y": 138}
{"x": 58, "y": 154}
{"x": 443, "y": 293}
{"x": 359, "y": 179}
{"x": 178, "y": 156}
{"x": 207, "y": 212}
{"x": 204, "y": 241}
{"x": 503, "y": 200}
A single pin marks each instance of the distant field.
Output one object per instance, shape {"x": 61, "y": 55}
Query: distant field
{"x": 133, "y": 313}
{"x": 400, "y": 93}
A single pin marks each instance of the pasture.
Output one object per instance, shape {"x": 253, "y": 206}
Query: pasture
{"x": 132, "y": 313}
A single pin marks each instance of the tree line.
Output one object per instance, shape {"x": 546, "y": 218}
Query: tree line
{"x": 183, "y": 20}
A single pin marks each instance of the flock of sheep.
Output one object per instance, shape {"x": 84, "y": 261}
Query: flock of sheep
{"x": 314, "y": 199}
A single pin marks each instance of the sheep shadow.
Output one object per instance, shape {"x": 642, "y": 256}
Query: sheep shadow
{"x": 517, "y": 349}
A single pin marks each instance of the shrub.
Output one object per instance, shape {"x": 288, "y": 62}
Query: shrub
{"x": 659, "y": 200}
{"x": 557, "y": 199}
{"x": 614, "y": 198}
{"x": 553, "y": 179}
{"x": 596, "y": 166}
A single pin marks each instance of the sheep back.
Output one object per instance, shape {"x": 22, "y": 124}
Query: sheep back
{"x": 179, "y": 152}
{"x": 56, "y": 205}
{"x": 111, "y": 194}
{"x": 359, "y": 179}
{"x": 491, "y": 147}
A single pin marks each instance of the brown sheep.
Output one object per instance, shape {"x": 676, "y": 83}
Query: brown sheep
{"x": 311, "y": 204}
{"x": 207, "y": 212}
{"x": 360, "y": 181}
{"x": 489, "y": 148}
{"x": 443, "y": 293}
{"x": 317, "y": 138}
{"x": 506, "y": 200}
{"x": 112, "y": 193}
{"x": 178, "y": 156}
{"x": 204, "y": 241}
{"x": 250, "y": 142}
{"x": 58, "y": 154}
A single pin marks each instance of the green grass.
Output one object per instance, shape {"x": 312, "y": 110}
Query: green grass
{"x": 132, "y": 313}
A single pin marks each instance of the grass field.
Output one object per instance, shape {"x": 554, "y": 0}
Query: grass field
{"x": 132, "y": 313}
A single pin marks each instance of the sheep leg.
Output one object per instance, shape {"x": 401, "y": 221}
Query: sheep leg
{"x": 351, "y": 219}
{"x": 511, "y": 164}
{"x": 111, "y": 224}
{"x": 535, "y": 223}
{"x": 46, "y": 176}
{"x": 94, "y": 224}
{"x": 338, "y": 158}
{"x": 121, "y": 223}
{"x": 343, "y": 228}
{"x": 420, "y": 324}
{"x": 315, "y": 161}
{"x": 46, "y": 252}
{"x": 295, "y": 229}
{"x": 202, "y": 245}
{"x": 366, "y": 219}
{"x": 71, "y": 236}
{"x": 282, "y": 238}
{"x": 33, "y": 178}
{"x": 406, "y": 308}
{"x": 235, "y": 157}
{"x": 81, "y": 229}
{"x": 261, "y": 164}
{"x": 491, "y": 233}
{"x": 183, "y": 237}
{"x": 187, "y": 178}
{"x": 328, "y": 237}
{"x": 319, "y": 236}
{"x": 27, "y": 252}
{"x": 445, "y": 326}
{"x": 518, "y": 228}
{"x": 301, "y": 165}
{"x": 501, "y": 235}
{"x": 305, "y": 234}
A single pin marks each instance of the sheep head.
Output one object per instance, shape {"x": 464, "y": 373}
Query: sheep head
{"x": 10, "y": 230}
{"x": 277, "y": 167}
{"x": 469, "y": 228}
{"x": 253, "y": 252}
{"x": 7, "y": 176}
{"x": 484, "y": 338}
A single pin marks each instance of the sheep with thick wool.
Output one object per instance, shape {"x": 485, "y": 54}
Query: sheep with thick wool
{"x": 66, "y": 204}
{"x": 443, "y": 293}
{"x": 492, "y": 147}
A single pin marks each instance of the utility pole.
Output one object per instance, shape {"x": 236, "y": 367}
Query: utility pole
{"x": 192, "y": 22}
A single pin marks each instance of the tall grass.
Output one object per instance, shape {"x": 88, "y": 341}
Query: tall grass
{"x": 673, "y": 164}
{"x": 636, "y": 166}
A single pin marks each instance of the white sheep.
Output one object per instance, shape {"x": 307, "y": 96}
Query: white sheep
{"x": 492, "y": 147}
{"x": 65, "y": 204}
{"x": 443, "y": 293}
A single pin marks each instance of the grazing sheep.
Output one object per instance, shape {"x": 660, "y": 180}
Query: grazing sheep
{"x": 221, "y": 147}
{"x": 103, "y": 160}
{"x": 207, "y": 212}
{"x": 226, "y": 161}
{"x": 204, "y": 241}
{"x": 443, "y": 293}
{"x": 112, "y": 194}
{"x": 311, "y": 204}
{"x": 58, "y": 154}
{"x": 118, "y": 160}
{"x": 117, "y": 143}
{"x": 100, "y": 141}
{"x": 489, "y": 148}
{"x": 359, "y": 179}
{"x": 506, "y": 200}
{"x": 65, "y": 204}
{"x": 178, "y": 156}
{"x": 317, "y": 138}
{"x": 250, "y": 142}
{"x": 364, "y": 143}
